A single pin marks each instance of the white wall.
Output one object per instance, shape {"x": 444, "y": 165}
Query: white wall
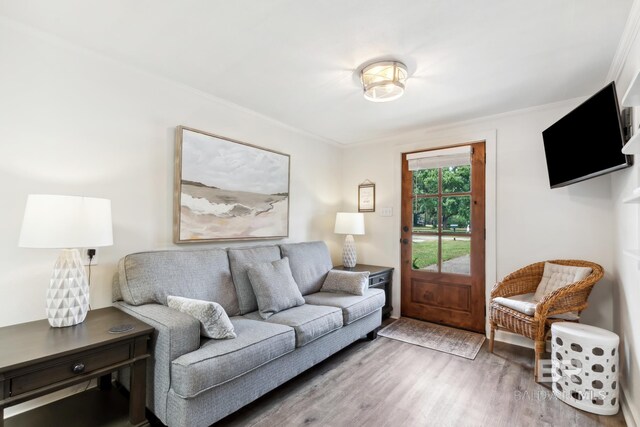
{"x": 72, "y": 122}
{"x": 533, "y": 222}
{"x": 627, "y": 290}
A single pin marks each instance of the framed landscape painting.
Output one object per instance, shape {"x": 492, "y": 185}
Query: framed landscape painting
{"x": 228, "y": 190}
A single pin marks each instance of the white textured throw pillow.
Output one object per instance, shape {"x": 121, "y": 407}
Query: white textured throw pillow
{"x": 274, "y": 286}
{"x": 556, "y": 276}
{"x": 214, "y": 322}
{"x": 351, "y": 282}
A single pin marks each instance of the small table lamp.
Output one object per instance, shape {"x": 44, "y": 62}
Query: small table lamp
{"x": 66, "y": 222}
{"x": 349, "y": 223}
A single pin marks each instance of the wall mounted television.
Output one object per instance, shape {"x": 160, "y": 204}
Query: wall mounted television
{"x": 587, "y": 142}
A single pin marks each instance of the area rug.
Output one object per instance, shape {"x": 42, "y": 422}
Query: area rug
{"x": 436, "y": 337}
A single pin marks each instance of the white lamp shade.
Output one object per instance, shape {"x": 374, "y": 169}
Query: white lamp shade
{"x": 349, "y": 223}
{"x": 52, "y": 221}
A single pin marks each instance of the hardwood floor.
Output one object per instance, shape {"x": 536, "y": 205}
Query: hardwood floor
{"x": 391, "y": 383}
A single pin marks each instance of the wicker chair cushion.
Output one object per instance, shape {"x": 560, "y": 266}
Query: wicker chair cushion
{"x": 556, "y": 276}
{"x": 522, "y": 303}
{"x": 526, "y": 304}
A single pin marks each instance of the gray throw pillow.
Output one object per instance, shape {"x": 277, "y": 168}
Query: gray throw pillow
{"x": 351, "y": 282}
{"x": 214, "y": 322}
{"x": 275, "y": 289}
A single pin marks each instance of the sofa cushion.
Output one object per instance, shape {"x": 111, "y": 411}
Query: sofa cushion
{"x": 308, "y": 321}
{"x": 217, "y": 362}
{"x": 240, "y": 259}
{"x": 353, "y": 307}
{"x": 350, "y": 282}
{"x": 274, "y": 287}
{"x": 310, "y": 262}
{"x": 148, "y": 277}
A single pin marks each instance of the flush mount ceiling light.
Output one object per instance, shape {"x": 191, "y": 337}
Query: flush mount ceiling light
{"x": 383, "y": 81}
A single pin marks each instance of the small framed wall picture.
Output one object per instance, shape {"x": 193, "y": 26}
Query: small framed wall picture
{"x": 367, "y": 197}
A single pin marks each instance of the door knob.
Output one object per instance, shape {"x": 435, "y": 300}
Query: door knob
{"x": 405, "y": 228}
{"x": 405, "y": 241}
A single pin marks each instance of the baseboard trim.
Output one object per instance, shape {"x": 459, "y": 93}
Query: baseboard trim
{"x": 630, "y": 414}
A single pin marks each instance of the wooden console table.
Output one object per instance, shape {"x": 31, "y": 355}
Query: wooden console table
{"x": 379, "y": 277}
{"x": 36, "y": 359}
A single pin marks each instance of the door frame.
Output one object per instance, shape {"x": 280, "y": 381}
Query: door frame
{"x": 444, "y": 140}
{"x": 475, "y": 319}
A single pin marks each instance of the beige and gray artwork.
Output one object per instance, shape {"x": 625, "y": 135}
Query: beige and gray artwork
{"x": 231, "y": 190}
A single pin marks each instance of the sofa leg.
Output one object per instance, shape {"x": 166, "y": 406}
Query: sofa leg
{"x": 372, "y": 335}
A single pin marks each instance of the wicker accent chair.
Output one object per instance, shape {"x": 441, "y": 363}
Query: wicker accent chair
{"x": 571, "y": 298}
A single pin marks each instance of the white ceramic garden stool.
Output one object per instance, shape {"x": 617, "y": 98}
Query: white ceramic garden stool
{"x": 584, "y": 363}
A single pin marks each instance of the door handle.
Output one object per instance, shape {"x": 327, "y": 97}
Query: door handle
{"x": 404, "y": 241}
{"x": 405, "y": 228}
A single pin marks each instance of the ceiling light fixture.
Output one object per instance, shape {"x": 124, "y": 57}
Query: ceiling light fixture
{"x": 383, "y": 81}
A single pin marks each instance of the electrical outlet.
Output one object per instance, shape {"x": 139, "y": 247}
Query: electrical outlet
{"x": 84, "y": 253}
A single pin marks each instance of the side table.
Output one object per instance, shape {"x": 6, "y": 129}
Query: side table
{"x": 584, "y": 362}
{"x": 379, "y": 277}
{"x": 36, "y": 359}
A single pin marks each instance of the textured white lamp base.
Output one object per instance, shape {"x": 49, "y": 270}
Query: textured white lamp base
{"x": 68, "y": 293}
{"x": 349, "y": 252}
{"x": 584, "y": 362}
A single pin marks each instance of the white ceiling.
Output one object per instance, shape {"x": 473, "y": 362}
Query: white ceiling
{"x": 295, "y": 60}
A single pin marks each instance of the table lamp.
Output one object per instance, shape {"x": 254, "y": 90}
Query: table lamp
{"x": 67, "y": 223}
{"x": 349, "y": 223}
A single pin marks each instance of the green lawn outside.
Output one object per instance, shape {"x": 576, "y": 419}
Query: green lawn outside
{"x": 426, "y": 253}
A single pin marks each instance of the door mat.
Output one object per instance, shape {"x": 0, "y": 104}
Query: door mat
{"x": 436, "y": 337}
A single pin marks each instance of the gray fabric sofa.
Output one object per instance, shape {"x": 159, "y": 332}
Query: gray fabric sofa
{"x": 195, "y": 381}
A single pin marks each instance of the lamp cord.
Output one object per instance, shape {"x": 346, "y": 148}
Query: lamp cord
{"x": 89, "y": 284}
{"x": 89, "y": 279}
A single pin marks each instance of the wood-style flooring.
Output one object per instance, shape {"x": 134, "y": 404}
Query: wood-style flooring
{"x": 372, "y": 383}
{"x": 392, "y": 383}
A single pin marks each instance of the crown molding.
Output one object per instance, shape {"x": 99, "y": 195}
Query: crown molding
{"x": 421, "y": 133}
{"x": 81, "y": 50}
{"x": 629, "y": 34}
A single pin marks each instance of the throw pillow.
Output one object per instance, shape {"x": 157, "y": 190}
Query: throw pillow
{"x": 556, "y": 276}
{"x": 274, "y": 286}
{"x": 351, "y": 282}
{"x": 214, "y": 322}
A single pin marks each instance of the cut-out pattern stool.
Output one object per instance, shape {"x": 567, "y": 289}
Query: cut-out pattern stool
{"x": 584, "y": 362}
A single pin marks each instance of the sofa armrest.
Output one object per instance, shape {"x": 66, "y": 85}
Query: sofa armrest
{"x": 175, "y": 334}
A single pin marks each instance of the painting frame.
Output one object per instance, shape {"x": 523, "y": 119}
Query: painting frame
{"x": 271, "y": 206}
{"x": 367, "y": 197}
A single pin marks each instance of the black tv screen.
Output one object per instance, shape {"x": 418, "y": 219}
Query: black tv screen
{"x": 587, "y": 142}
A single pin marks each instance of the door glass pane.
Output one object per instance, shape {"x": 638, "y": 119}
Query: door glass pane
{"x": 456, "y": 214}
{"x": 425, "y": 214}
{"x": 424, "y": 252}
{"x": 456, "y": 179}
{"x": 425, "y": 181}
{"x": 456, "y": 252}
